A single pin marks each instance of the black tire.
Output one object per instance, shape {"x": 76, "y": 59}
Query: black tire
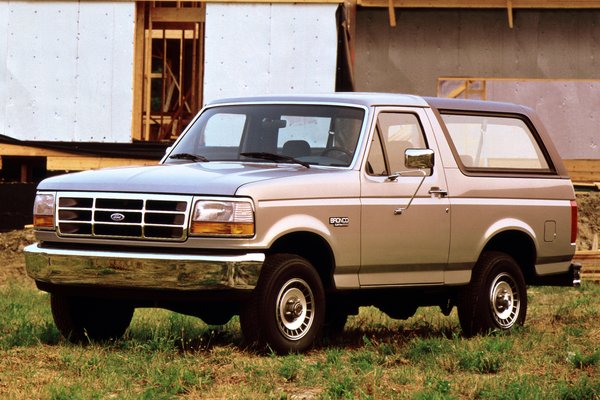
{"x": 287, "y": 308}
{"x": 496, "y": 298}
{"x": 82, "y": 320}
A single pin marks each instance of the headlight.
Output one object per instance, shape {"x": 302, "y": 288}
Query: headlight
{"x": 223, "y": 218}
{"x": 43, "y": 211}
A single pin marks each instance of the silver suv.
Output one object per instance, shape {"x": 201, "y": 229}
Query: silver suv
{"x": 293, "y": 211}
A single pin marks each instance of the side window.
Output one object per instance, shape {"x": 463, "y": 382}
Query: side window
{"x": 492, "y": 142}
{"x": 399, "y": 131}
{"x": 376, "y": 160}
{"x": 224, "y": 130}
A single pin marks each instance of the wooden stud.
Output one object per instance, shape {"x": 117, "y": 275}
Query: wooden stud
{"x": 458, "y": 91}
{"x": 57, "y": 163}
{"x": 24, "y": 172}
{"x": 171, "y": 14}
{"x": 138, "y": 73}
{"x": 65, "y": 161}
{"x": 509, "y": 9}
{"x": 148, "y": 78}
{"x": 583, "y": 170}
{"x": 392, "y": 13}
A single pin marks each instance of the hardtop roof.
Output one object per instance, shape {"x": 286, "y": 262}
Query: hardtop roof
{"x": 383, "y": 99}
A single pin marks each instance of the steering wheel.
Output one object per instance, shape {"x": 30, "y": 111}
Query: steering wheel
{"x": 346, "y": 153}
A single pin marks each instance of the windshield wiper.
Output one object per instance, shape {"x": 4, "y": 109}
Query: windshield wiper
{"x": 188, "y": 156}
{"x": 275, "y": 157}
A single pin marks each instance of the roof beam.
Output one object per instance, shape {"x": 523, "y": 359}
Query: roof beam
{"x": 516, "y": 4}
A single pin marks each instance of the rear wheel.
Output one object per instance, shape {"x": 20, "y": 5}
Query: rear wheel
{"x": 84, "y": 319}
{"x": 287, "y": 309}
{"x": 496, "y": 298}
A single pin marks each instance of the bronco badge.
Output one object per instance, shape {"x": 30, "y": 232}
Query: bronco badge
{"x": 339, "y": 221}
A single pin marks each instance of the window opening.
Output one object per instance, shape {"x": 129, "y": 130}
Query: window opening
{"x": 399, "y": 132}
{"x": 169, "y": 54}
{"x": 495, "y": 142}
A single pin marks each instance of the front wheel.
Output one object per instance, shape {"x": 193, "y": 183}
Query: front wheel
{"x": 85, "y": 319}
{"x": 287, "y": 309}
{"x": 496, "y": 298}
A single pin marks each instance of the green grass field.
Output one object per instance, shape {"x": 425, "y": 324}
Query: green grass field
{"x": 165, "y": 355}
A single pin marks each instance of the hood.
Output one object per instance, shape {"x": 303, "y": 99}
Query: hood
{"x": 211, "y": 178}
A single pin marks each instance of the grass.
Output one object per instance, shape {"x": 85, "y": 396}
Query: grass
{"x": 165, "y": 355}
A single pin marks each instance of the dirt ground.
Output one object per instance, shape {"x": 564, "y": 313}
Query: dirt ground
{"x": 12, "y": 265}
{"x": 588, "y": 205}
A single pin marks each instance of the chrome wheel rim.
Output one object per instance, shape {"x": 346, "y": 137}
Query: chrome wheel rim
{"x": 295, "y": 309}
{"x": 505, "y": 301}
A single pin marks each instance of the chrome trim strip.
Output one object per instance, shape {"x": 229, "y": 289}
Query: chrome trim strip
{"x": 143, "y": 270}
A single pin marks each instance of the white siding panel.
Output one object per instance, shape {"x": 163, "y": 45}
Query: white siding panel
{"x": 41, "y": 53}
{"x": 62, "y": 69}
{"x": 3, "y": 69}
{"x": 122, "y": 70}
{"x": 303, "y": 48}
{"x": 271, "y": 48}
{"x": 104, "y": 78}
{"x": 236, "y": 54}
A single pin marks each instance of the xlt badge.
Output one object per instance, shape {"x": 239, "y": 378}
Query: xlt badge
{"x": 339, "y": 221}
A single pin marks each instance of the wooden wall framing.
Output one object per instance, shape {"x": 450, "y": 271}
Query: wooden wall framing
{"x": 65, "y": 161}
{"x": 181, "y": 96}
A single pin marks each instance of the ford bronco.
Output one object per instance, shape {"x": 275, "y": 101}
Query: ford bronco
{"x": 293, "y": 211}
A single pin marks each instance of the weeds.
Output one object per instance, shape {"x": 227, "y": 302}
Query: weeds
{"x": 584, "y": 361}
{"x": 583, "y": 389}
{"x": 21, "y": 323}
{"x": 290, "y": 368}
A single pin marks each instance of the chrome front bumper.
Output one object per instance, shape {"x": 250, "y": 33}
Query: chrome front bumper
{"x": 130, "y": 270}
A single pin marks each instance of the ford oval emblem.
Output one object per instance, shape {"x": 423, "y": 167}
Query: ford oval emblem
{"x": 117, "y": 217}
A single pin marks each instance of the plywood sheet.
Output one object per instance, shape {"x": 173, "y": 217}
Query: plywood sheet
{"x": 253, "y": 49}
{"x": 570, "y": 110}
{"x": 68, "y": 71}
{"x": 429, "y": 43}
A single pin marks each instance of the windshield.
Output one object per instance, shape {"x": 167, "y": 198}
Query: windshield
{"x": 306, "y": 134}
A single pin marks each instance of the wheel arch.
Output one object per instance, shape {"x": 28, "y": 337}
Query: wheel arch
{"x": 519, "y": 245}
{"x": 312, "y": 247}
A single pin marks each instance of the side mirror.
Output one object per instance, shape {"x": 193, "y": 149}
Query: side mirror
{"x": 418, "y": 158}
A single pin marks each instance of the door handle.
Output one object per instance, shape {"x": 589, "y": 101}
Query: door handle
{"x": 439, "y": 191}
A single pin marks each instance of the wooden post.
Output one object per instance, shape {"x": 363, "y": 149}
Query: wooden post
{"x": 392, "y": 12}
{"x": 138, "y": 74}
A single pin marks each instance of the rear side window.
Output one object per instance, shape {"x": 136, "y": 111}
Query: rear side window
{"x": 503, "y": 143}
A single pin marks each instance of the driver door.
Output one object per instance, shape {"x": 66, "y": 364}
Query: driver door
{"x": 401, "y": 244}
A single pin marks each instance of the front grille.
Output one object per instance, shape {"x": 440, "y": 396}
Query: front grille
{"x": 123, "y": 216}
